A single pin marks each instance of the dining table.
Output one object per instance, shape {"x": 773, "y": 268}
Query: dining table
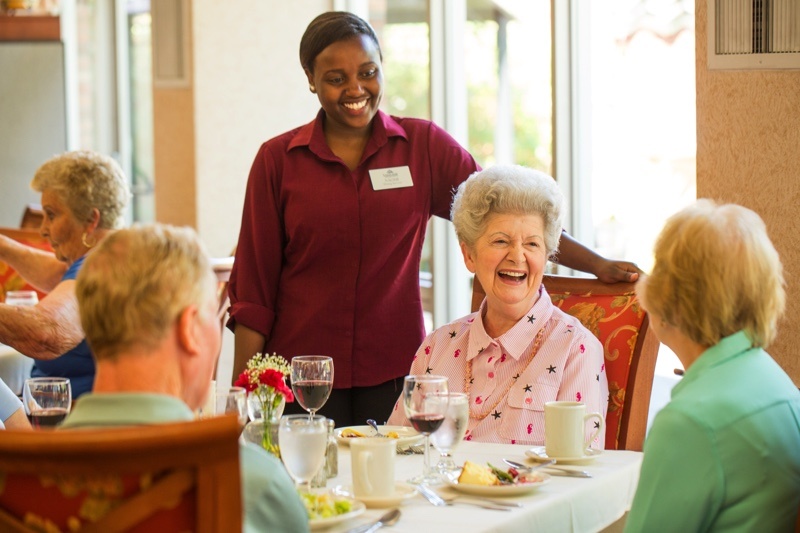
{"x": 562, "y": 504}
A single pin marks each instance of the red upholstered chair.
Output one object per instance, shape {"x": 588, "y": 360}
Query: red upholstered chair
{"x": 9, "y": 279}
{"x": 162, "y": 477}
{"x": 613, "y": 314}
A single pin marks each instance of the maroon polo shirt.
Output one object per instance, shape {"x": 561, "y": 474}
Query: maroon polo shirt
{"x": 326, "y": 264}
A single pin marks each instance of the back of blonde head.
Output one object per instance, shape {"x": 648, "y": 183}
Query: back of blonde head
{"x": 716, "y": 272}
{"x": 135, "y": 284}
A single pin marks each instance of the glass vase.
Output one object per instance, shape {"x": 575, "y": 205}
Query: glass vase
{"x": 263, "y": 429}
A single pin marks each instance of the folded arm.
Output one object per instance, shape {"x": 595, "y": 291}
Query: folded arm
{"x": 573, "y": 254}
{"x": 39, "y": 268}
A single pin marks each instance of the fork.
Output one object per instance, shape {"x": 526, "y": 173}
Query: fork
{"x": 438, "y": 501}
{"x": 374, "y": 425}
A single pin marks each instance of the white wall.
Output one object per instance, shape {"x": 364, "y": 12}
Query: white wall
{"x": 243, "y": 99}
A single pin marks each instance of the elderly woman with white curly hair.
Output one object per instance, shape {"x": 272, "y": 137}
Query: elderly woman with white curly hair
{"x": 83, "y": 198}
{"x": 518, "y": 350}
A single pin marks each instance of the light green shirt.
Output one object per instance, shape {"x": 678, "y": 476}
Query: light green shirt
{"x": 270, "y": 500}
{"x": 724, "y": 454}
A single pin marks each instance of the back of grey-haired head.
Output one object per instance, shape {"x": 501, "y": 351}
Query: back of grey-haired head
{"x": 507, "y": 189}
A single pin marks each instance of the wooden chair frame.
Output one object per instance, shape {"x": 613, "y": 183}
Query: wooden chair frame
{"x": 633, "y": 422}
{"x": 203, "y": 454}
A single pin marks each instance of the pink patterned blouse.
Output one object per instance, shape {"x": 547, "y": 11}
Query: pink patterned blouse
{"x": 510, "y": 379}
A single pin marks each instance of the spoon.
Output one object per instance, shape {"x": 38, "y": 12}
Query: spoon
{"x": 388, "y": 519}
{"x": 374, "y": 425}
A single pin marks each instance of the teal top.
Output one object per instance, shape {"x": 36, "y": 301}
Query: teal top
{"x": 270, "y": 500}
{"x": 724, "y": 454}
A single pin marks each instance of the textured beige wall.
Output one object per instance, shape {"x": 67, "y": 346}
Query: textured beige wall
{"x": 748, "y": 152}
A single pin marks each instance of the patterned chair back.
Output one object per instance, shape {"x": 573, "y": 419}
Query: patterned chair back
{"x": 612, "y": 312}
{"x": 163, "y": 477}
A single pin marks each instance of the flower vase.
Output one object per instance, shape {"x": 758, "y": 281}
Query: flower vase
{"x": 265, "y": 416}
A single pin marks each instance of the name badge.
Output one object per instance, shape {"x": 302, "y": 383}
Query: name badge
{"x": 390, "y": 178}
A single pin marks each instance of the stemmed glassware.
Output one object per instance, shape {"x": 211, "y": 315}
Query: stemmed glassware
{"x": 47, "y": 401}
{"x": 452, "y": 430}
{"x": 312, "y": 381}
{"x": 425, "y": 402}
{"x": 232, "y": 400}
{"x": 303, "y": 442}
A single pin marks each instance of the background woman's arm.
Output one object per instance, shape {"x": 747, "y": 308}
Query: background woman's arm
{"x": 246, "y": 343}
{"x": 38, "y": 267}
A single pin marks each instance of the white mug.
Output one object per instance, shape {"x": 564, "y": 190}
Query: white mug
{"x": 564, "y": 429}
{"x": 372, "y": 463}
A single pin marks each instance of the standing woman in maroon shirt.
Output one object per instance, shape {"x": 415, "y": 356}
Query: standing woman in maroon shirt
{"x": 334, "y": 219}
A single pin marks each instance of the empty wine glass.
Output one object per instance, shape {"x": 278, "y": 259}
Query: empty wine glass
{"x": 425, "y": 402}
{"x": 232, "y": 400}
{"x": 47, "y": 401}
{"x": 303, "y": 442}
{"x": 452, "y": 430}
{"x": 312, "y": 381}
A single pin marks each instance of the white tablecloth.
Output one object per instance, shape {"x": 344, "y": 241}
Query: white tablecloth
{"x": 565, "y": 504}
{"x": 15, "y": 368}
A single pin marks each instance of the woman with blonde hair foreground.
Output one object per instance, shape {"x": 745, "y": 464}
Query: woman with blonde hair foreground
{"x": 724, "y": 454}
{"x": 84, "y": 195}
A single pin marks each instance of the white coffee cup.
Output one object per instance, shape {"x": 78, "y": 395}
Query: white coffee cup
{"x": 372, "y": 464}
{"x": 565, "y": 429}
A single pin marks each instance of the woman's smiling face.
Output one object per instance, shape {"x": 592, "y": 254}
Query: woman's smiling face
{"x": 348, "y": 81}
{"x": 509, "y": 261}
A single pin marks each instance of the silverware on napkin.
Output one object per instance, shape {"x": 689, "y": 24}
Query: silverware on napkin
{"x": 547, "y": 467}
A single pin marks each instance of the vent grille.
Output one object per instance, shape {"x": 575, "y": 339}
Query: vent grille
{"x": 754, "y": 33}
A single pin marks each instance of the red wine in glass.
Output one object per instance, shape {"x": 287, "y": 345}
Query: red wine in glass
{"x": 47, "y": 418}
{"x": 426, "y": 424}
{"x": 312, "y": 394}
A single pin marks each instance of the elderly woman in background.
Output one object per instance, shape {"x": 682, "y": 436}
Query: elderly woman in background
{"x": 517, "y": 351}
{"x": 83, "y": 198}
{"x": 724, "y": 454}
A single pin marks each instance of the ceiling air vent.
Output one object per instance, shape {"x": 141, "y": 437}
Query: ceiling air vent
{"x": 754, "y": 34}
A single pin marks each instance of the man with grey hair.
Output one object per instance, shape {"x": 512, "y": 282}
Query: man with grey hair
{"x": 147, "y": 298}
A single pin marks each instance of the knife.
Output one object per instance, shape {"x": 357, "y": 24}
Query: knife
{"x": 566, "y": 473}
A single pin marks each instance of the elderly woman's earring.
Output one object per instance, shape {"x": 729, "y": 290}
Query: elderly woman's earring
{"x": 85, "y": 242}
{"x": 312, "y": 88}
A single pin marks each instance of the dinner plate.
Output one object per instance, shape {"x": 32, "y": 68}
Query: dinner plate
{"x": 323, "y": 523}
{"x": 539, "y": 454}
{"x": 407, "y": 435}
{"x": 538, "y": 479}
{"x": 402, "y": 492}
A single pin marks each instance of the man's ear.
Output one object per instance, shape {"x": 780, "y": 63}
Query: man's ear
{"x": 186, "y": 325}
{"x": 468, "y": 260}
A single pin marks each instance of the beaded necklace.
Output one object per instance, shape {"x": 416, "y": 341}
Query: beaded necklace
{"x": 537, "y": 342}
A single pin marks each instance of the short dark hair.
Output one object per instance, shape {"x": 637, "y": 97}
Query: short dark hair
{"x": 331, "y": 27}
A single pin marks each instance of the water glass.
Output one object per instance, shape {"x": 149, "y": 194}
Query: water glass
{"x": 303, "y": 443}
{"x": 47, "y": 401}
{"x": 24, "y": 298}
{"x": 452, "y": 430}
{"x": 232, "y": 400}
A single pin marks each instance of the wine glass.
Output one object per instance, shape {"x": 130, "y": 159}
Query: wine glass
{"x": 425, "y": 402}
{"x": 452, "y": 430}
{"x": 232, "y": 400}
{"x": 303, "y": 441}
{"x": 312, "y": 381}
{"x": 47, "y": 401}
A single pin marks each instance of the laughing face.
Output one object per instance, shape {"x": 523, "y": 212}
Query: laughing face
{"x": 509, "y": 260}
{"x": 348, "y": 80}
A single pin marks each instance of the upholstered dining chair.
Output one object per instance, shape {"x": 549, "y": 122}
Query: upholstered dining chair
{"x": 162, "y": 477}
{"x": 612, "y": 312}
{"x": 10, "y": 280}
